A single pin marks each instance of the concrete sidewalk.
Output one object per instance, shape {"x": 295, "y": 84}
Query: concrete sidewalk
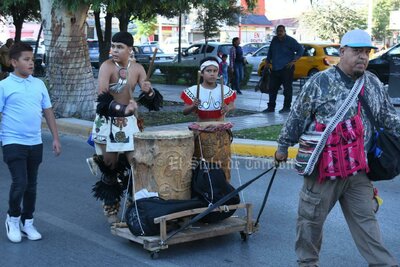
{"x": 249, "y": 100}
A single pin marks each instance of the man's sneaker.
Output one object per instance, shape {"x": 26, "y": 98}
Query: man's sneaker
{"x": 268, "y": 110}
{"x": 92, "y": 166}
{"x": 30, "y": 231}
{"x": 284, "y": 110}
{"x": 12, "y": 228}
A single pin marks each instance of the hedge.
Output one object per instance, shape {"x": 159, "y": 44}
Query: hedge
{"x": 174, "y": 71}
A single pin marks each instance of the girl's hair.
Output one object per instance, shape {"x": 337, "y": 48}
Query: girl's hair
{"x": 17, "y": 49}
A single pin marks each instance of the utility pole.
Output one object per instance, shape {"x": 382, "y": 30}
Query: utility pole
{"x": 180, "y": 36}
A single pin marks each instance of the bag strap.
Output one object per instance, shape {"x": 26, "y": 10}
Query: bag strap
{"x": 358, "y": 85}
{"x": 368, "y": 111}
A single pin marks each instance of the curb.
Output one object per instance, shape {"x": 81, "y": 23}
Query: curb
{"x": 255, "y": 148}
{"x": 239, "y": 147}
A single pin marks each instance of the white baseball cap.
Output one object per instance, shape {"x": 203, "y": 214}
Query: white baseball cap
{"x": 357, "y": 38}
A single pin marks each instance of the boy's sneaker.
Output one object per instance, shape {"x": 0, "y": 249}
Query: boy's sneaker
{"x": 30, "y": 231}
{"x": 12, "y": 228}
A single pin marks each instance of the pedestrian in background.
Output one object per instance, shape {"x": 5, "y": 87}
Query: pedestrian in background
{"x": 23, "y": 99}
{"x": 223, "y": 69}
{"x": 4, "y": 59}
{"x": 283, "y": 52}
{"x": 236, "y": 64}
{"x": 313, "y": 109}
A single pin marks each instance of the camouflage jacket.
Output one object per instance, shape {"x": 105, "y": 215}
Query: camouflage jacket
{"x": 322, "y": 96}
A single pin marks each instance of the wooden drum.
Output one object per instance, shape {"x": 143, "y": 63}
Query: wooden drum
{"x": 162, "y": 163}
{"x": 213, "y": 141}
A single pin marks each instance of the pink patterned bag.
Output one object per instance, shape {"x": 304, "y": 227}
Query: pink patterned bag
{"x": 343, "y": 154}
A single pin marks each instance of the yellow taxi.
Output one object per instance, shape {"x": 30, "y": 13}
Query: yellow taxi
{"x": 316, "y": 57}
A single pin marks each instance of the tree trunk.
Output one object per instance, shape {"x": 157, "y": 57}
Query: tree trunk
{"x": 104, "y": 40}
{"x": 69, "y": 73}
{"x": 123, "y": 18}
{"x": 18, "y": 21}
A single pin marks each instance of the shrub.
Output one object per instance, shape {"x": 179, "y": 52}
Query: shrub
{"x": 175, "y": 71}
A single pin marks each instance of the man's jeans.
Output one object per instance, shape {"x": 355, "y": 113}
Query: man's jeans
{"x": 239, "y": 74}
{"x": 23, "y": 162}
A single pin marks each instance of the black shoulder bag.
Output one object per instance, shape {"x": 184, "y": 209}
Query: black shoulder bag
{"x": 384, "y": 155}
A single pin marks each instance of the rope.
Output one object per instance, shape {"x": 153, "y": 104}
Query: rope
{"x": 134, "y": 200}
{"x": 242, "y": 198}
{"x": 126, "y": 196}
{"x": 204, "y": 164}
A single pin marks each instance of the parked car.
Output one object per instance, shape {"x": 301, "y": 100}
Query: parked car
{"x": 249, "y": 48}
{"x": 143, "y": 54}
{"x": 255, "y": 58}
{"x": 171, "y": 45}
{"x": 316, "y": 57}
{"x": 152, "y": 43}
{"x": 94, "y": 52}
{"x": 384, "y": 64}
{"x": 196, "y": 52}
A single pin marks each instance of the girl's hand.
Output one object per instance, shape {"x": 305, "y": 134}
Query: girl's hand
{"x": 225, "y": 109}
{"x": 196, "y": 102}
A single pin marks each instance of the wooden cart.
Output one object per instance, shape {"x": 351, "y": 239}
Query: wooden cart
{"x": 154, "y": 244}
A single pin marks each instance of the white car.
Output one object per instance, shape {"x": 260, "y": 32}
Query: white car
{"x": 143, "y": 54}
{"x": 171, "y": 45}
{"x": 255, "y": 58}
{"x": 196, "y": 52}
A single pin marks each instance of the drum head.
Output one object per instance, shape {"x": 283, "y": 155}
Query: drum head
{"x": 211, "y": 126}
{"x": 164, "y": 134}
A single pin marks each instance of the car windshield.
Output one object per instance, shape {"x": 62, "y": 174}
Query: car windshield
{"x": 332, "y": 51}
{"x": 395, "y": 51}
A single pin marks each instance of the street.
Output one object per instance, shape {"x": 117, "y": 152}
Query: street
{"x": 75, "y": 232}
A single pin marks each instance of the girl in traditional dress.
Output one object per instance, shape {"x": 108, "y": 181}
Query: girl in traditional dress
{"x": 209, "y": 100}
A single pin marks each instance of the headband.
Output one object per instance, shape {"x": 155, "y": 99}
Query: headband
{"x": 208, "y": 63}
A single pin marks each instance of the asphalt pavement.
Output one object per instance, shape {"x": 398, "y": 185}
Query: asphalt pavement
{"x": 75, "y": 231}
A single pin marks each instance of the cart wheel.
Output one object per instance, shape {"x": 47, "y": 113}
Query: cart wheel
{"x": 243, "y": 236}
{"x": 154, "y": 254}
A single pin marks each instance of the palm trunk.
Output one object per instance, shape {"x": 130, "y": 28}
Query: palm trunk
{"x": 69, "y": 73}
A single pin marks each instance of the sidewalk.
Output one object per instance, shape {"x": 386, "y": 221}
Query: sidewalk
{"x": 249, "y": 100}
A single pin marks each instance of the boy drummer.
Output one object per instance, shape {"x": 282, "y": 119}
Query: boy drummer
{"x": 115, "y": 122}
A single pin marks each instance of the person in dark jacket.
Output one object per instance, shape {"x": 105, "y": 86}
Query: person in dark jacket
{"x": 283, "y": 52}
